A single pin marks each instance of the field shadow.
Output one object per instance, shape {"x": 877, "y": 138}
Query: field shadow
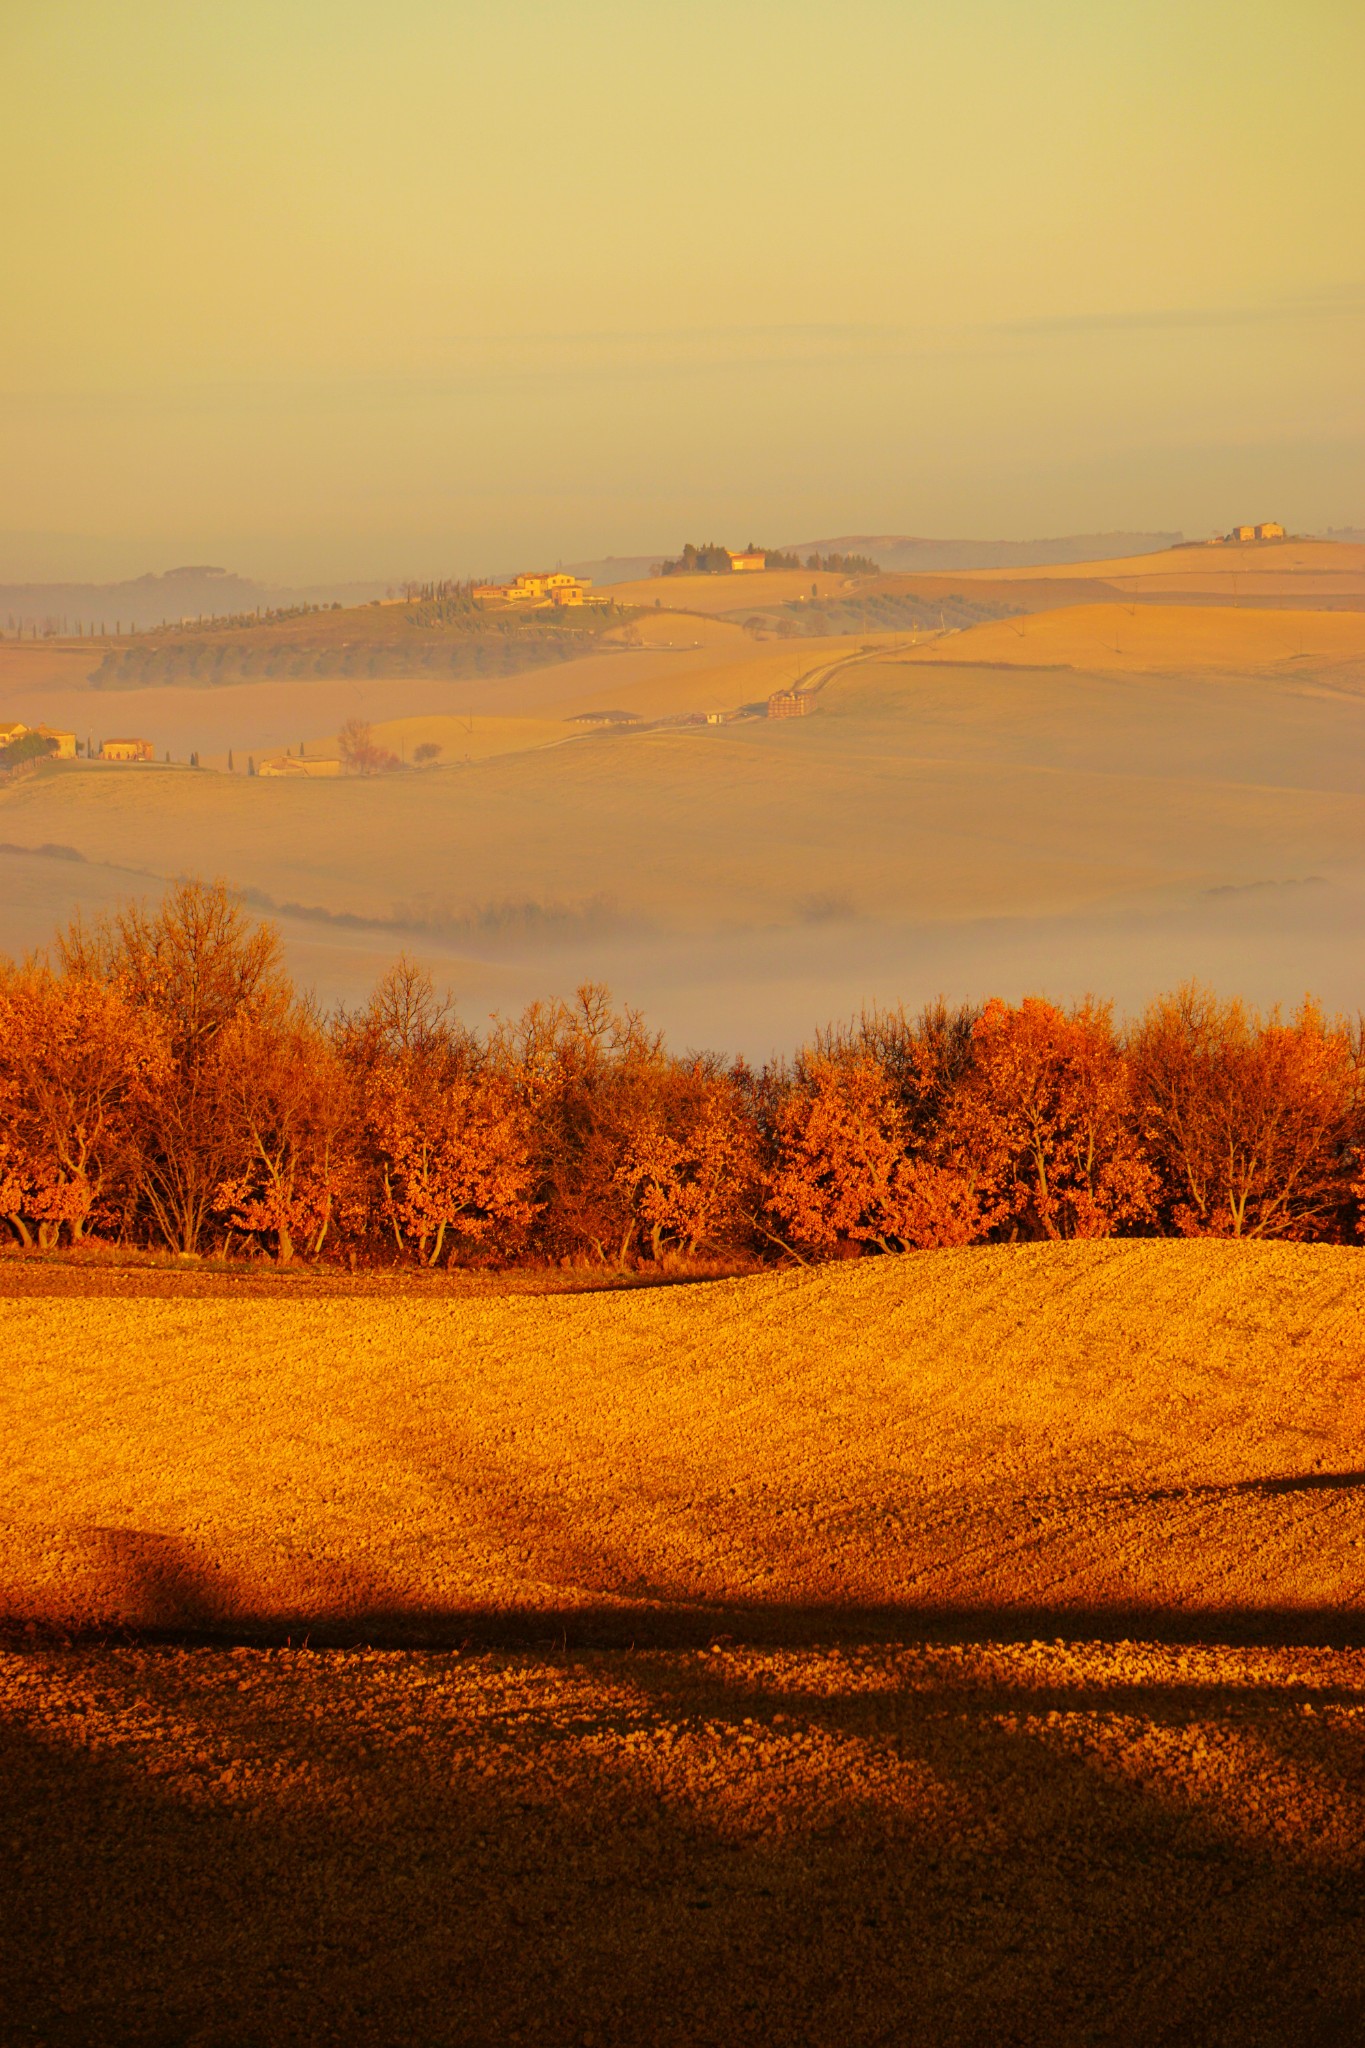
{"x": 232, "y": 1853}
{"x": 1301, "y": 1482}
{"x": 142, "y": 1586}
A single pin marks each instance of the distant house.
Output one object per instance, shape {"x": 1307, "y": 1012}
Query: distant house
{"x": 748, "y": 560}
{"x": 127, "y": 750}
{"x": 536, "y": 587}
{"x": 64, "y": 743}
{"x": 312, "y": 770}
{"x": 1270, "y": 530}
{"x": 788, "y": 704}
{"x": 604, "y": 718}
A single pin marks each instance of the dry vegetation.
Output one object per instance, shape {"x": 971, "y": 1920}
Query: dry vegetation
{"x": 980, "y": 1686}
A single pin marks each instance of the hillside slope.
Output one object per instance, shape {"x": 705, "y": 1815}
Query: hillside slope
{"x": 1125, "y": 1430}
{"x": 1169, "y": 638}
{"x": 1308, "y": 568}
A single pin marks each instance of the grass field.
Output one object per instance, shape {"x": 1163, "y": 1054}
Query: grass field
{"x": 958, "y": 1649}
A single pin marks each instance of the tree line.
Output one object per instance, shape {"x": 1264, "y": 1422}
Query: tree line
{"x": 163, "y": 1083}
{"x": 712, "y": 559}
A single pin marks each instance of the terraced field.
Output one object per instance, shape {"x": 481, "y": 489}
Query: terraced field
{"x": 962, "y": 1648}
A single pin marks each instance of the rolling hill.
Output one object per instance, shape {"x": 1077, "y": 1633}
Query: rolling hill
{"x": 1168, "y": 639}
{"x": 1171, "y": 1431}
{"x": 716, "y": 1662}
{"x": 1312, "y": 570}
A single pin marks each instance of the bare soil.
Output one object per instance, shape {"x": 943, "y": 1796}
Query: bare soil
{"x": 961, "y": 1649}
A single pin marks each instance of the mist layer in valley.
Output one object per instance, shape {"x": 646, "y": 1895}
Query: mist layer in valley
{"x": 930, "y": 827}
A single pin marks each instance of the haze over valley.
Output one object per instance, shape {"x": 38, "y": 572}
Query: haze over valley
{"x": 1064, "y": 796}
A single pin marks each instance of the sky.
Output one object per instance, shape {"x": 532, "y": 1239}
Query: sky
{"x": 328, "y": 288}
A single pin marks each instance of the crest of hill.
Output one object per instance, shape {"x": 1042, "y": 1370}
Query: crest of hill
{"x": 1313, "y": 567}
{"x": 1153, "y": 1426}
{"x": 908, "y": 554}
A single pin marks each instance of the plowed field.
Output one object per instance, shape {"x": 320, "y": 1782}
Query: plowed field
{"x": 1153, "y": 1430}
{"x": 956, "y": 1649}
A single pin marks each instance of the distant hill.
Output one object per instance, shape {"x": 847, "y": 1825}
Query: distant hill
{"x": 143, "y": 601}
{"x": 907, "y": 553}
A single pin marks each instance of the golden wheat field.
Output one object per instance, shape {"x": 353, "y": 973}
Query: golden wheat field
{"x": 959, "y": 1648}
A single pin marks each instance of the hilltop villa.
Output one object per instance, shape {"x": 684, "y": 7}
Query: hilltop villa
{"x": 536, "y": 588}
{"x": 64, "y": 750}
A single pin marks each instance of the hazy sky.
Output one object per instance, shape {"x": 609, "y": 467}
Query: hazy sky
{"x": 329, "y": 287}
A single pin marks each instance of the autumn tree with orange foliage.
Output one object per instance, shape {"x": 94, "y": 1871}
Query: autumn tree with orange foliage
{"x": 455, "y": 1159}
{"x": 584, "y": 1071}
{"x": 195, "y": 966}
{"x": 79, "y": 1065}
{"x": 1043, "y": 1124}
{"x": 446, "y": 1126}
{"x": 1253, "y": 1125}
{"x": 637, "y": 1154}
{"x": 925, "y": 1059}
{"x": 688, "y": 1159}
{"x": 287, "y": 1104}
{"x": 165, "y": 1082}
{"x": 842, "y": 1177}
